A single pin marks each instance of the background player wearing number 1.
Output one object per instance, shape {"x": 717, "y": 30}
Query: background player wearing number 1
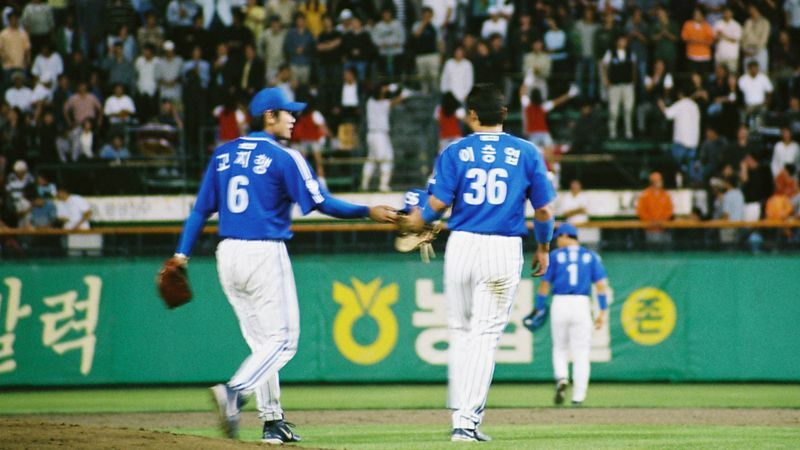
{"x": 487, "y": 178}
{"x": 253, "y": 183}
{"x": 573, "y": 270}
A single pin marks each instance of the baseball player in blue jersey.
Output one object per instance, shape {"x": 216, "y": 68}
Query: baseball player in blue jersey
{"x": 253, "y": 182}
{"x": 573, "y": 269}
{"x": 487, "y": 178}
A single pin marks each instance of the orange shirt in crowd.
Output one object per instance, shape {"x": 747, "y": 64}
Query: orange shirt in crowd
{"x": 699, "y": 38}
{"x": 786, "y": 184}
{"x": 654, "y": 205}
{"x": 779, "y": 207}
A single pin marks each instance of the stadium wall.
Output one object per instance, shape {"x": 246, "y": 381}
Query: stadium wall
{"x": 381, "y": 318}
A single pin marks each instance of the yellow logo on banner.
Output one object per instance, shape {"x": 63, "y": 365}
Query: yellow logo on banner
{"x": 648, "y": 316}
{"x": 360, "y": 301}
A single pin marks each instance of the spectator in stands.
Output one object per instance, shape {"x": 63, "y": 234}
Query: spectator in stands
{"x": 537, "y": 66}
{"x": 534, "y": 115}
{"x": 755, "y": 36}
{"x": 196, "y": 71}
{"x": 68, "y": 38}
{"x": 73, "y": 210}
{"x": 665, "y": 38}
{"x": 756, "y": 90}
{"x": 47, "y": 133}
{"x": 792, "y": 115}
{"x": 618, "y": 71}
{"x": 786, "y": 181}
{"x": 168, "y": 115}
{"x": 270, "y": 48}
{"x": 147, "y": 84}
{"x": 389, "y": 37}
{"x": 255, "y": 18}
{"x": 449, "y": 115}
{"x": 426, "y": 44}
{"x": 457, "y": 75}
{"x": 286, "y": 81}
{"x": 187, "y": 38}
{"x": 574, "y": 205}
{"x": 223, "y": 75}
{"x": 786, "y": 151}
{"x": 657, "y": 86}
{"x": 555, "y": 42}
{"x": 128, "y": 43}
{"x": 654, "y": 206}
{"x": 83, "y": 142}
{"x": 712, "y": 153}
{"x": 19, "y": 96}
{"x": 42, "y": 214}
{"x": 119, "y": 108}
{"x": 346, "y": 110}
{"x": 18, "y": 180}
{"x": 358, "y": 49}
{"x": 785, "y": 61}
{"x": 37, "y": 18}
{"x": 733, "y": 205}
{"x": 15, "y": 47}
{"x": 231, "y": 120}
{"x": 78, "y": 68}
{"x": 482, "y": 65}
{"x": 41, "y": 97}
{"x": 118, "y": 69}
{"x": 251, "y": 79}
{"x": 115, "y": 150}
{"x": 310, "y": 132}
{"x": 151, "y": 33}
{"x": 47, "y": 65}
{"x": 586, "y": 134}
{"x": 685, "y": 134}
{"x": 380, "y": 153}
{"x": 495, "y": 24}
{"x": 168, "y": 74}
{"x": 237, "y": 35}
{"x": 586, "y": 67}
{"x": 181, "y": 13}
{"x": 638, "y": 36}
{"x": 520, "y": 39}
{"x": 82, "y": 106}
{"x": 283, "y": 9}
{"x": 757, "y": 185}
{"x": 44, "y": 187}
{"x": 329, "y": 63}
{"x": 728, "y": 34}
{"x": 699, "y": 93}
{"x": 501, "y": 61}
{"x": 699, "y": 37}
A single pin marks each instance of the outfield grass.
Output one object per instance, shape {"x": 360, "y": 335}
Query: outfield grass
{"x": 382, "y": 437}
{"x": 406, "y": 397}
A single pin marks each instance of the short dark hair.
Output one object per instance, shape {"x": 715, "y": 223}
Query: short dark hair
{"x": 488, "y": 103}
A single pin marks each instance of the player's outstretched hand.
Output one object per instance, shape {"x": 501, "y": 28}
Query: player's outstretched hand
{"x": 541, "y": 260}
{"x": 383, "y": 214}
{"x": 411, "y": 222}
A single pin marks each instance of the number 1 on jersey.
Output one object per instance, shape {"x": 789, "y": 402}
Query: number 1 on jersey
{"x": 573, "y": 274}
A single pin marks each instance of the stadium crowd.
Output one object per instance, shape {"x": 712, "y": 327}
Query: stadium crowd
{"x": 78, "y": 73}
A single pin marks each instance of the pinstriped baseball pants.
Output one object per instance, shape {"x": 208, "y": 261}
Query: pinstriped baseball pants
{"x": 481, "y": 276}
{"x": 257, "y": 278}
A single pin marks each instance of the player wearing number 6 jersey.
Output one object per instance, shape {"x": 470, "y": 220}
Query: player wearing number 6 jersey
{"x": 487, "y": 178}
{"x": 572, "y": 272}
{"x": 252, "y": 182}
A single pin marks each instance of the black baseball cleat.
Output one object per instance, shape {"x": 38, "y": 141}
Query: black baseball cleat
{"x": 468, "y": 435}
{"x": 229, "y": 403}
{"x": 278, "y": 432}
{"x": 561, "y": 390}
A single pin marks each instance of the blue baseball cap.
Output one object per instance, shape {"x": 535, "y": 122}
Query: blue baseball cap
{"x": 273, "y": 99}
{"x": 414, "y": 197}
{"x": 566, "y": 228}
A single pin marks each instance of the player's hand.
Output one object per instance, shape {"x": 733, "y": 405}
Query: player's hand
{"x": 383, "y": 214}
{"x": 541, "y": 260}
{"x": 600, "y": 319}
{"x": 411, "y": 222}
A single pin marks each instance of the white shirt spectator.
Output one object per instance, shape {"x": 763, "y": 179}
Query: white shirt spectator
{"x": 755, "y": 89}
{"x": 146, "y": 75}
{"x": 686, "y": 130}
{"x": 727, "y": 50}
{"x": 42, "y": 93}
{"x": 458, "y": 78}
{"x": 490, "y": 27}
{"x": 350, "y": 95}
{"x": 669, "y": 83}
{"x": 784, "y": 154}
{"x": 440, "y": 8}
{"x": 570, "y": 202}
{"x": 378, "y": 115}
{"x": 792, "y": 9}
{"x": 72, "y": 211}
{"x": 48, "y": 68}
{"x": 115, "y": 105}
{"x": 20, "y": 98}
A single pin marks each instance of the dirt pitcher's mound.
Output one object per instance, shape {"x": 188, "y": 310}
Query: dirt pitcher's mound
{"x": 27, "y": 434}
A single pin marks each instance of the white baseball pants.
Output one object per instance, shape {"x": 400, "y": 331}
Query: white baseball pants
{"x": 571, "y": 329}
{"x": 379, "y": 153}
{"x": 481, "y": 276}
{"x": 257, "y": 278}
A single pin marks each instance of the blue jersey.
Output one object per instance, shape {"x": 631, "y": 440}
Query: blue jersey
{"x": 573, "y": 270}
{"x": 487, "y": 178}
{"x": 252, "y": 182}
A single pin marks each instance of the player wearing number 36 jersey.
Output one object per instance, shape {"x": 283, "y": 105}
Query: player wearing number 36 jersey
{"x": 253, "y": 182}
{"x": 487, "y": 178}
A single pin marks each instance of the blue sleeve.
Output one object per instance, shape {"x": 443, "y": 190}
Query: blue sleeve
{"x": 205, "y": 205}
{"x": 540, "y": 190}
{"x": 443, "y": 183}
{"x": 598, "y": 271}
{"x": 550, "y": 275}
{"x": 341, "y": 209}
{"x": 301, "y": 182}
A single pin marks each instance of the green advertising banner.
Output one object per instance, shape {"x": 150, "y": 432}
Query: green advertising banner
{"x": 381, "y": 317}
